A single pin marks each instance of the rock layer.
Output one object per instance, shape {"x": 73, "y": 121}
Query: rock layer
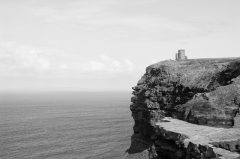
{"x": 201, "y": 92}
{"x": 186, "y": 140}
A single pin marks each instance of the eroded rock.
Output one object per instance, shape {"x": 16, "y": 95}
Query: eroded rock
{"x": 201, "y": 92}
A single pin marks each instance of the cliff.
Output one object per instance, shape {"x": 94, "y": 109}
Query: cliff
{"x": 187, "y": 110}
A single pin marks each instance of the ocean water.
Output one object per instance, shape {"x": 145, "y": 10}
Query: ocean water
{"x": 70, "y": 125}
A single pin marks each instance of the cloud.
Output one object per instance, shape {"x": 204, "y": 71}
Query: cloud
{"x": 70, "y": 12}
{"x": 20, "y": 57}
{"x": 130, "y": 65}
{"x": 105, "y": 16}
{"x": 108, "y": 64}
{"x": 95, "y": 66}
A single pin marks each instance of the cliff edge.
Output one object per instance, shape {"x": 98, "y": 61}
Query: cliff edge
{"x": 187, "y": 109}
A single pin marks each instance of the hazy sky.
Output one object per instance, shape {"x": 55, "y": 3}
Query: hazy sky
{"x": 100, "y": 45}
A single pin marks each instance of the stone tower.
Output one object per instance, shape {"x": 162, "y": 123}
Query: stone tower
{"x": 180, "y": 55}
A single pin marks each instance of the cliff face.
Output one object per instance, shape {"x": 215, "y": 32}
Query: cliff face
{"x": 178, "y": 106}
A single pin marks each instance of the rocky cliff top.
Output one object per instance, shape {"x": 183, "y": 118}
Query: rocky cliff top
{"x": 200, "y": 73}
{"x": 199, "y": 91}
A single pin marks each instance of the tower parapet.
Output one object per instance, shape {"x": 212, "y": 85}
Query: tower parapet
{"x": 180, "y": 55}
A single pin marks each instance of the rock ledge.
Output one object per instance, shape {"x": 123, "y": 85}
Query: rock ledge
{"x": 197, "y": 140}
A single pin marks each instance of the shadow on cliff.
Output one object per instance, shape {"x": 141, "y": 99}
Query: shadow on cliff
{"x": 232, "y": 71}
{"x": 141, "y": 148}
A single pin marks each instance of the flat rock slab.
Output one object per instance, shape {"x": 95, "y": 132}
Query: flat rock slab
{"x": 224, "y": 142}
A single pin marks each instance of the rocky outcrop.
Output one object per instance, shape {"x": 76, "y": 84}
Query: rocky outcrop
{"x": 179, "y": 139}
{"x": 198, "y": 94}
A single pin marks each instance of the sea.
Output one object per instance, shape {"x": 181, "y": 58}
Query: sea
{"x": 65, "y": 125}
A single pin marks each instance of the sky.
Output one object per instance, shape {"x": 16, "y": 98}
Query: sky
{"x": 105, "y": 45}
